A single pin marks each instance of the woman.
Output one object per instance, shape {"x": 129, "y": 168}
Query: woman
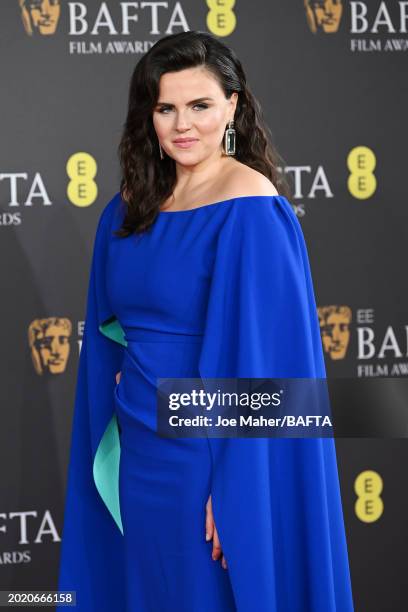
{"x": 199, "y": 270}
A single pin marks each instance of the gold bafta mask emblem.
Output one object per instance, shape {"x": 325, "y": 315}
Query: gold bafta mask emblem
{"x": 40, "y": 16}
{"x": 335, "y": 329}
{"x": 49, "y": 344}
{"x": 323, "y": 15}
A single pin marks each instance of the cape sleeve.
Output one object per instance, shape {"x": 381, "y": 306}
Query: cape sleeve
{"x": 276, "y": 502}
{"x": 91, "y": 561}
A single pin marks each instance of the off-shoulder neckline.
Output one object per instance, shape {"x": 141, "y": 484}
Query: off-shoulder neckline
{"x": 227, "y": 201}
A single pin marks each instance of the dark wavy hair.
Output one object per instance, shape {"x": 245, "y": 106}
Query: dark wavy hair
{"x": 147, "y": 181}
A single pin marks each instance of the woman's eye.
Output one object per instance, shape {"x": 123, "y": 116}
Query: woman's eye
{"x": 202, "y": 105}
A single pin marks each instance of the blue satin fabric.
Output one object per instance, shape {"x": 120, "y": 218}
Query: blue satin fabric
{"x": 224, "y": 290}
{"x": 164, "y": 485}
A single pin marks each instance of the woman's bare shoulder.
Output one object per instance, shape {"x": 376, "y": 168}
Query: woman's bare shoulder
{"x": 243, "y": 180}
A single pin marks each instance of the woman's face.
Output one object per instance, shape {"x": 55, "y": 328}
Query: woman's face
{"x": 191, "y": 104}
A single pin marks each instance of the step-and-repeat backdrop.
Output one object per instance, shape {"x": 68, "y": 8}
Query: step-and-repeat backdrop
{"x": 331, "y": 78}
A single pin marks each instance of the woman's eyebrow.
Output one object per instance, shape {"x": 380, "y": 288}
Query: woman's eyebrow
{"x": 191, "y": 101}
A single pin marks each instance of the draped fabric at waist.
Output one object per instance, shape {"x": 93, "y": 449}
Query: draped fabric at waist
{"x": 143, "y": 334}
{"x": 148, "y": 356}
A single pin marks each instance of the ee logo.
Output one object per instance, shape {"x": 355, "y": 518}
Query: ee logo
{"x": 368, "y": 487}
{"x": 82, "y": 190}
{"x": 362, "y": 182}
{"x": 221, "y": 19}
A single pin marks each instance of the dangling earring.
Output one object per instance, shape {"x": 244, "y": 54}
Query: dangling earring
{"x": 161, "y": 151}
{"x": 230, "y": 139}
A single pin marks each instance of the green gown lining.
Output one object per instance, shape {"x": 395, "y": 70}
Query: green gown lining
{"x": 107, "y": 456}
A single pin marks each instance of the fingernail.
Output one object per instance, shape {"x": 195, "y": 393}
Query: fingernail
{"x": 207, "y": 536}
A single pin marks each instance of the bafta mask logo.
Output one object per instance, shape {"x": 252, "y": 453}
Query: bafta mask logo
{"x": 335, "y": 329}
{"x": 40, "y": 16}
{"x": 323, "y": 15}
{"x": 49, "y": 344}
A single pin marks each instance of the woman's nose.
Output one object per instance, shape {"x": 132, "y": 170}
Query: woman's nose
{"x": 182, "y": 122}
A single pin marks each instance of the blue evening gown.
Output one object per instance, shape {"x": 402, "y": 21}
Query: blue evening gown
{"x": 223, "y": 290}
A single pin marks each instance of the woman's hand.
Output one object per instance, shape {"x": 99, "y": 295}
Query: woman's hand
{"x": 118, "y": 378}
{"x": 211, "y": 532}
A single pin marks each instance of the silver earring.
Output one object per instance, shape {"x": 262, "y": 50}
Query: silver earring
{"x": 161, "y": 151}
{"x": 230, "y": 139}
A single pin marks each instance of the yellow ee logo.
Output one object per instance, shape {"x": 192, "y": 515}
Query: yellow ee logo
{"x": 221, "y": 20}
{"x": 362, "y": 182}
{"x": 369, "y": 505}
{"x": 82, "y": 189}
